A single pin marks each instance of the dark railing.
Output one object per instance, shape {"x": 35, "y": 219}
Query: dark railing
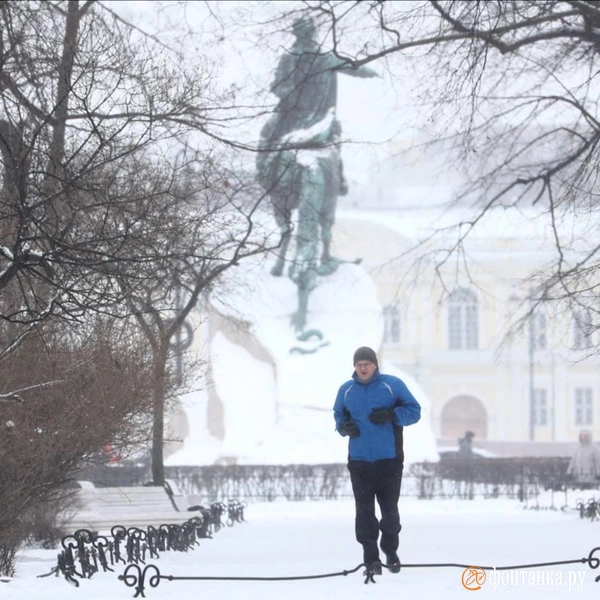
{"x": 86, "y": 552}
{"x": 519, "y": 478}
{"x": 150, "y": 576}
{"x": 522, "y": 478}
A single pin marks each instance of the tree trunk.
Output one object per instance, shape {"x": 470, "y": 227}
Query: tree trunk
{"x": 63, "y": 87}
{"x": 158, "y": 431}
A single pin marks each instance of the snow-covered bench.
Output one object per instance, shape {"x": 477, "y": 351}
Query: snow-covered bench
{"x": 100, "y": 509}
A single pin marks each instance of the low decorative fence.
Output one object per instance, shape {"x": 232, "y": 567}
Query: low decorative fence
{"x": 85, "y": 553}
{"x": 521, "y": 478}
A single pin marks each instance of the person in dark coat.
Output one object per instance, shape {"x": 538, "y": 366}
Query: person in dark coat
{"x": 465, "y": 445}
{"x": 372, "y": 409}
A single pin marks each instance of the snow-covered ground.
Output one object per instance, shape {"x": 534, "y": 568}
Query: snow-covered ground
{"x": 284, "y": 539}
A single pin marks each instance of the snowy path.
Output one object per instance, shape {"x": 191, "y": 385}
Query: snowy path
{"x": 295, "y": 539}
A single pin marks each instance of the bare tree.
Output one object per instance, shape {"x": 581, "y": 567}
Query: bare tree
{"x": 209, "y": 224}
{"x": 515, "y": 85}
{"x": 64, "y": 394}
{"x": 82, "y": 91}
{"x": 99, "y": 215}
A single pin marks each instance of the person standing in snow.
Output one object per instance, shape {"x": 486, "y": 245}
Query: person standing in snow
{"x": 371, "y": 409}
{"x": 465, "y": 451}
{"x": 584, "y": 468}
{"x": 465, "y": 445}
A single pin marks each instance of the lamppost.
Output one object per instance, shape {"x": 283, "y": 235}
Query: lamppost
{"x": 531, "y": 343}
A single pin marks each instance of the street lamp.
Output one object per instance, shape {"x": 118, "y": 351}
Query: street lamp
{"x": 531, "y": 353}
{"x": 531, "y": 330}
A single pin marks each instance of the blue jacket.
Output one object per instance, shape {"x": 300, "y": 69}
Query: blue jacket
{"x": 356, "y": 400}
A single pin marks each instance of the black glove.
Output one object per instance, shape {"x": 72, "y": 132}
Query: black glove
{"x": 379, "y": 416}
{"x": 350, "y": 428}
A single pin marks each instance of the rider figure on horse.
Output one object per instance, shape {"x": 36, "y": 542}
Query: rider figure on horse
{"x": 300, "y": 165}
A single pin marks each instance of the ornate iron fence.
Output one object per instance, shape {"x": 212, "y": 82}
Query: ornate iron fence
{"x": 85, "y": 552}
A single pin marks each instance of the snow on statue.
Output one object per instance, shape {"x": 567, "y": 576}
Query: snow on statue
{"x": 276, "y": 406}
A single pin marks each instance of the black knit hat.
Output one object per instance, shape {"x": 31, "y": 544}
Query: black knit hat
{"x": 365, "y": 353}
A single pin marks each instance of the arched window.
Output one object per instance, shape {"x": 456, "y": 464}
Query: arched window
{"x": 464, "y": 413}
{"x": 391, "y": 324}
{"x": 463, "y": 320}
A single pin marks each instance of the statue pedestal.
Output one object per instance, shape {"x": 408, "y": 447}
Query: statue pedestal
{"x": 273, "y": 406}
{"x": 290, "y": 402}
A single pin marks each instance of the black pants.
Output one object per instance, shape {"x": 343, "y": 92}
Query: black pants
{"x": 379, "y": 480}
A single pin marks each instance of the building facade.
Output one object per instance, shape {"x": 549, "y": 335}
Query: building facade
{"x": 458, "y": 323}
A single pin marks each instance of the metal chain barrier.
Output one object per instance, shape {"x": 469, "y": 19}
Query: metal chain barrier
{"x": 136, "y": 577}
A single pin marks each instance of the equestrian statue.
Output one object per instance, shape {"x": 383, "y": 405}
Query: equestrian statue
{"x": 299, "y": 164}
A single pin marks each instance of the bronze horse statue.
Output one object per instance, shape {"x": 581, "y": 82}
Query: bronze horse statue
{"x": 308, "y": 177}
{"x": 299, "y": 164}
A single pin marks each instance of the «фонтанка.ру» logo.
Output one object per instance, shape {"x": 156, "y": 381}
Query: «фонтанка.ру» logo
{"x": 473, "y": 578}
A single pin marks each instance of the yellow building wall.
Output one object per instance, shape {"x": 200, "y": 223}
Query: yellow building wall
{"x": 497, "y": 374}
